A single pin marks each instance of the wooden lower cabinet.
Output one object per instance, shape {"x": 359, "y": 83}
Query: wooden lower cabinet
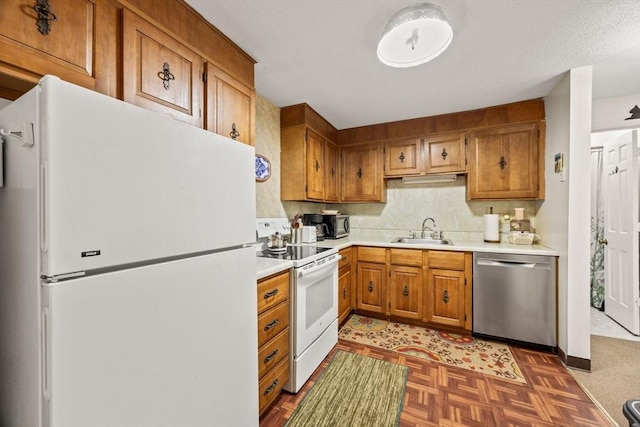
{"x": 372, "y": 289}
{"x": 345, "y": 283}
{"x": 424, "y": 286}
{"x": 405, "y": 289}
{"x": 448, "y": 297}
{"x": 273, "y": 337}
{"x": 406, "y": 283}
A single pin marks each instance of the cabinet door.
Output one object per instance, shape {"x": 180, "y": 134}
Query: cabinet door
{"x": 402, "y": 158}
{"x": 344, "y": 293}
{"x": 362, "y": 174}
{"x": 66, "y": 50}
{"x": 331, "y": 172}
{"x": 445, "y": 153}
{"x": 406, "y": 291}
{"x": 229, "y": 106}
{"x": 314, "y": 165}
{"x": 504, "y": 163}
{"x": 160, "y": 73}
{"x": 371, "y": 287}
{"x": 445, "y": 300}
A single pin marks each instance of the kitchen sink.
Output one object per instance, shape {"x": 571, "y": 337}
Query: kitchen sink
{"x": 418, "y": 241}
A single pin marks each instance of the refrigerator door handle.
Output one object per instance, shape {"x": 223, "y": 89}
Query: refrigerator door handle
{"x": 43, "y": 207}
{"x": 45, "y": 353}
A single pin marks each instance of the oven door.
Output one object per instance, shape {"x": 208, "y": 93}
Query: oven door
{"x": 316, "y": 303}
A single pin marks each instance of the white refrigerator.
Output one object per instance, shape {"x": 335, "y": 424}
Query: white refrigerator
{"x": 127, "y": 297}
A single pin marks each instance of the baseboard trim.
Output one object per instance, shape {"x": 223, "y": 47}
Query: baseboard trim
{"x": 579, "y": 363}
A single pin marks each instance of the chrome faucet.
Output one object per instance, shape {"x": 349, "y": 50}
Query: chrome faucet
{"x": 434, "y": 232}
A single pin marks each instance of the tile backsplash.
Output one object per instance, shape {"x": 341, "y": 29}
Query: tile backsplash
{"x": 406, "y": 207}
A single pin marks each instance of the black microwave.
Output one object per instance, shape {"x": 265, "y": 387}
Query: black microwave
{"x": 337, "y": 226}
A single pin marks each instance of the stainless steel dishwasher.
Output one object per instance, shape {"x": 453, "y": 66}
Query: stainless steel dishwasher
{"x": 514, "y": 297}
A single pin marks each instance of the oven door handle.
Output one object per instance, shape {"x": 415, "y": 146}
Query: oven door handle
{"x": 330, "y": 264}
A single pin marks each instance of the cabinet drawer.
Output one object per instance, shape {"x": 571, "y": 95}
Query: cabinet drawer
{"x": 406, "y": 257}
{"x": 272, "y": 291}
{"x": 368, "y": 254}
{"x": 272, "y": 322}
{"x": 270, "y": 386}
{"x": 446, "y": 260}
{"x": 346, "y": 259}
{"x": 270, "y": 354}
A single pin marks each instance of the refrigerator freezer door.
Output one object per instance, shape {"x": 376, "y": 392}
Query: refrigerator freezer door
{"x": 172, "y": 344}
{"x": 122, "y": 184}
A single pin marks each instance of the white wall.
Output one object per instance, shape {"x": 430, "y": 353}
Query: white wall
{"x": 564, "y": 216}
{"x": 610, "y": 113}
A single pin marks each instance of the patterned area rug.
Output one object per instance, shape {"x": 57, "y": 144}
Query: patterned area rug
{"x": 462, "y": 351}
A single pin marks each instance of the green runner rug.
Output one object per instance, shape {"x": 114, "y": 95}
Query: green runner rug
{"x": 354, "y": 391}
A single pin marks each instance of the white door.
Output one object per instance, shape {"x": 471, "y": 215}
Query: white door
{"x": 620, "y": 179}
{"x": 172, "y": 344}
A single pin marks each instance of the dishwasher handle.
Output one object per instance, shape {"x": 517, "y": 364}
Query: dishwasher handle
{"x": 509, "y": 263}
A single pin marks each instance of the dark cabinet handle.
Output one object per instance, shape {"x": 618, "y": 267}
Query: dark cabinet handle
{"x": 317, "y": 165}
{"x": 444, "y": 154}
{"x": 370, "y": 286}
{"x": 271, "y": 325}
{"x": 234, "y": 132}
{"x": 44, "y": 16}
{"x": 405, "y": 291}
{"x": 270, "y": 388}
{"x": 503, "y": 162}
{"x": 270, "y": 356}
{"x": 270, "y": 294}
{"x": 333, "y": 172}
{"x": 401, "y": 157}
{"x": 344, "y": 292}
{"x": 445, "y": 296}
{"x": 165, "y": 75}
{"x": 359, "y": 173}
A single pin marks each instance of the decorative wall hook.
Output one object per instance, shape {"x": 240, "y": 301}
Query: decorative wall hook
{"x": 635, "y": 113}
{"x": 44, "y": 16}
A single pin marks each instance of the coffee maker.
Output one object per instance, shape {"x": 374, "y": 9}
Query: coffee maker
{"x": 316, "y": 221}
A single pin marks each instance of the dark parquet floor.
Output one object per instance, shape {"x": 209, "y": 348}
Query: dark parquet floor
{"x": 439, "y": 395}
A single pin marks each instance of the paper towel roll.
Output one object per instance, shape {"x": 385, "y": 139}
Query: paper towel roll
{"x": 491, "y": 228}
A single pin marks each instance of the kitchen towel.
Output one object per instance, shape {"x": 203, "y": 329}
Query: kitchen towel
{"x": 491, "y": 228}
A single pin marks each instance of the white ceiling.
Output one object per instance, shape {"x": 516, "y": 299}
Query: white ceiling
{"x": 323, "y": 52}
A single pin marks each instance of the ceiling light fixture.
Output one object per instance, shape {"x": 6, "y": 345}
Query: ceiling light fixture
{"x": 414, "y": 35}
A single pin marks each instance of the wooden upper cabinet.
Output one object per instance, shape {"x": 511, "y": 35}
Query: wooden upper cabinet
{"x": 315, "y": 169}
{"x": 308, "y": 156}
{"x": 505, "y": 163}
{"x": 362, "y": 179}
{"x": 402, "y": 158}
{"x": 445, "y": 153}
{"x": 159, "y": 72}
{"x": 66, "y": 50}
{"x": 331, "y": 172}
{"x": 430, "y": 155}
{"x": 230, "y": 106}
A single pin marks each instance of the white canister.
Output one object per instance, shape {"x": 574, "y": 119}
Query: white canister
{"x": 491, "y": 228}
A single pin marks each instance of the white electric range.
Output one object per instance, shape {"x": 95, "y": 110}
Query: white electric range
{"x": 314, "y": 299}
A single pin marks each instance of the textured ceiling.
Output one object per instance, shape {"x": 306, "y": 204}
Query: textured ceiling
{"x": 323, "y": 52}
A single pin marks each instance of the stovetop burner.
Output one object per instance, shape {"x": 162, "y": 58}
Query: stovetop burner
{"x": 293, "y": 253}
